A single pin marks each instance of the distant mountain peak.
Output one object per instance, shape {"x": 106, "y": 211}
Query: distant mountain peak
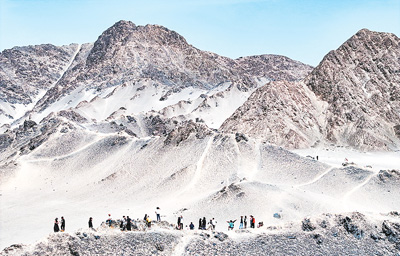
{"x": 125, "y": 33}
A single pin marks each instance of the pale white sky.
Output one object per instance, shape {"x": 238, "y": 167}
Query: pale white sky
{"x": 302, "y": 30}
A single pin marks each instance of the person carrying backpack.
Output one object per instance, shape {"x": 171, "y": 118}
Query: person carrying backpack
{"x": 148, "y": 220}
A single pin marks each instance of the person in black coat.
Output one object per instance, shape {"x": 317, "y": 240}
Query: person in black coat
{"x": 179, "y": 222}
{"x": 62, "y": 224}
{"x": 128, "y": 223}
{"x": 200, "y": 223}
{"x": 204, "y": 224}
{"x": 90, "y": 222}
{"x": 56, "y": 227}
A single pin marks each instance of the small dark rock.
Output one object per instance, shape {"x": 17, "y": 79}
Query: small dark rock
{"x": 351, "y": 228}
{"x": 240, "y": 137}
{"x": 307, "y": 225}
{"x": 29, "y": 124}
{"x": 159, "y": 247}
{"x": 323, "y": 224}
{"x": 64, "y": 130}
{"x": 318, "y": 238}
{"x": 221, "y": 236}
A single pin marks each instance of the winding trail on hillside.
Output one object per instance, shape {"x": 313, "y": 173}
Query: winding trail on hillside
{"x": 350, "y": 192}
{"x": 180, "y": 247}
{"x": 258, "y": 160}
{"x": 67, "y": 155}
{"x": 199, "y": 166}
{"x": 315, "y": 179}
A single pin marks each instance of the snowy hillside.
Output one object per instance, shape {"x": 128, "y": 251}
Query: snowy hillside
{"x": 69, "y": 170}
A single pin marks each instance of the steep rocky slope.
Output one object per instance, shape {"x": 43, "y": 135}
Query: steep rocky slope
{"x": 350, "y": 99}
{"x": 26, "y": 73}
{"x": 282, "y": 113}
{"x": 361, "y": 83}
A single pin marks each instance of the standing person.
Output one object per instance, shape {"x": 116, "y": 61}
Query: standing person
{"x": 90, "y": 222}
{"x": 253, "y": 221}
{"x": 145, "y": 217}
{"x": 241, "y": 222}
{"x": 191, "y": 226}
{"x": 200, "y": 223}
{"x": 158, "y": 213}
{"x": 122, "y": 225}
{"x": 128, "y": 223}
{"x": 212, "y": 223}
{"x": 56, "y": 227}
{"x": 179, "y": 222}
{"x": 62, "y": 224}
{"x": 204, "y": 223}
{"x": 245, "y": 221}
{"x": 109, "y": 220}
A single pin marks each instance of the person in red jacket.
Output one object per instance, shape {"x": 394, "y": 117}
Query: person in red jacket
{"x": 252, "y": 221}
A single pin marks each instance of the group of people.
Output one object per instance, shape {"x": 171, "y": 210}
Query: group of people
{"x": 202, "y": 224}
{"x": 243, "y": 223}
{"x": 126, "y": 222}
{"x": 57, "y": 227}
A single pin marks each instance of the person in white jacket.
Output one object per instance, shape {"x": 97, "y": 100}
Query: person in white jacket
{"x": 158, "y": 213}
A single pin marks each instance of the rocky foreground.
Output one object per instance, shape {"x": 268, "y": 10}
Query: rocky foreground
{"x": 351, "y": 234}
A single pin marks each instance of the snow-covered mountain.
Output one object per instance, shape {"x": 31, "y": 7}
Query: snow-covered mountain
{"x": 150, "y": 67}
{"x": 140, "y": 118}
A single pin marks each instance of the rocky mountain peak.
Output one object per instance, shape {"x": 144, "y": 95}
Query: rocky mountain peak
{"x": 126, "y": 34}
{"x": 119, "y": 33}
{"x": 360, "y": 81}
